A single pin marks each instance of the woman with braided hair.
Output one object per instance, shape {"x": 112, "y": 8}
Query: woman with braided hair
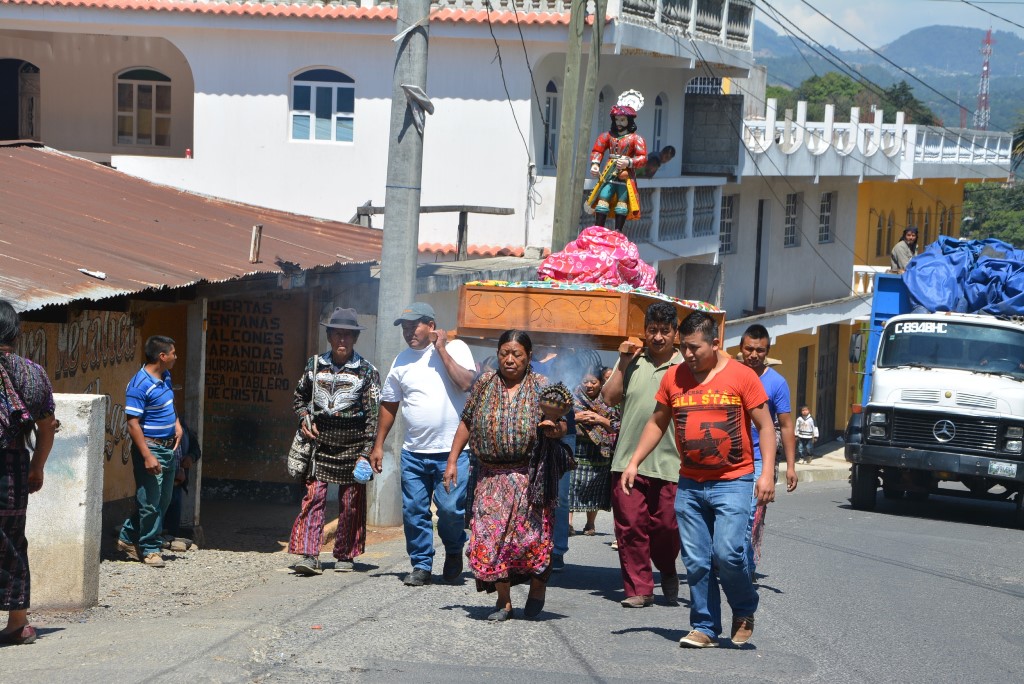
{"x": 516, "y": 442}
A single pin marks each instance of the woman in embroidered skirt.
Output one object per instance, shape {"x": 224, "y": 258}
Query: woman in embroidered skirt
{"x": 510, "y": 532}
{"x": 597, "y": 426}
{"x": 26, "y": 398}
{"x": 336, "y": 401}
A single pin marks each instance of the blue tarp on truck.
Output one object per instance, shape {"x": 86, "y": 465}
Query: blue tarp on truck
{"x": 967, "y": 276}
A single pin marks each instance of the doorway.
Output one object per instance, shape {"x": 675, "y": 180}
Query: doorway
{"x": 19, "y": 100}
{"x": 828, "y": 367}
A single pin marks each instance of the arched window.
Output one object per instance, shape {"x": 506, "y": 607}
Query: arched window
{"x": 890, "y": 230}
{"x": 143, "y": 108}
{"x": 657, "y": 142}
{"x": 927, "y": 228}
{"x": 879, "y": 235}
{"x": 551, "y": 113}
{"x": 323, "y": 106}
{"x": 910, "y": 217}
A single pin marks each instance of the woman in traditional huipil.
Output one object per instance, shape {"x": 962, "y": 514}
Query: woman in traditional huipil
{"x": 597, "y": 426}
{"x": 336, "y": 401}
{"x": 26, "y": 399}
{"x": 510, "y": 533}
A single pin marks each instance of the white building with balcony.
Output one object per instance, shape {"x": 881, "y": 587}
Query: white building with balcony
{"x": 817, "y": 210}
{"x": 286, "y": 104}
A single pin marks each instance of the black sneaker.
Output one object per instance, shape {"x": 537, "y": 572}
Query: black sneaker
{"x": 452, "y": 567}
{"x": 309, "y": 565}
{"x": 417, "y": 578}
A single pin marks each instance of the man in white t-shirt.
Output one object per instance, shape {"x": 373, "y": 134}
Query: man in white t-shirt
{"x": 429, "y": 380}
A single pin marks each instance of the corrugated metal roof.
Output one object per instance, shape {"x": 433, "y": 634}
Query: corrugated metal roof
{"x": 60, "y": 213}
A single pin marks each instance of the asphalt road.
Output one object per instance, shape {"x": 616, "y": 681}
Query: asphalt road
{"x": 915, "y": 592}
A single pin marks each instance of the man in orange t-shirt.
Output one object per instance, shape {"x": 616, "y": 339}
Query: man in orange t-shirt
{"x": 712, "y": 401}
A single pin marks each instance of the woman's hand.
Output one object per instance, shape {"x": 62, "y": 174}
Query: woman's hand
{"x": 308, "y": 428}
{"x": 552, "y": 429}
{"x": 35, "y": 478}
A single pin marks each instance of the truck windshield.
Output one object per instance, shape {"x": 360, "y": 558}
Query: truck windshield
{"x": 952, "y": 344}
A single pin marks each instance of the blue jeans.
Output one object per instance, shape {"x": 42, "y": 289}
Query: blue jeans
{"x": 422, "y": 476}
{"x": 152, "y": 497}
{"x": 560, "y": 530}
{"x": 750, "y": 523}
{"x": 712, "y": 519}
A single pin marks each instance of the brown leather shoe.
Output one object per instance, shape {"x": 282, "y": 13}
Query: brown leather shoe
{"x": 154, "y": 560}
{"x": 697, "y": 639}
{"x": 638, "y": 601}
{"x": 742, "y": 628}
{"x": 130, "y": 550}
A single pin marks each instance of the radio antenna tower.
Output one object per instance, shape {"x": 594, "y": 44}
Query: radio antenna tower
{"x": 983, "y": 113}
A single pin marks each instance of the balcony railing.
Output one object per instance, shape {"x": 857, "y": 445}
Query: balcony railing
{"x": 962, "y": 146}
{"x": 726, "y": 22}
{"x": 864, "y": 278}
{"x": 670, "y": 212}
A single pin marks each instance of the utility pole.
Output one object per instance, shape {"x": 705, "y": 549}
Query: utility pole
{"x": 575, "y": 124}
{"x": 566, "y": 204}
{"x": 401, "y": 234}
{"x": 583, "y": 132}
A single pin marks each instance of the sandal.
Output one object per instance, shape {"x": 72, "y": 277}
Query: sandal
{"x": 25, "y": 634}
{"x": 589, "y": 531}
{"x": 500, "y": 615}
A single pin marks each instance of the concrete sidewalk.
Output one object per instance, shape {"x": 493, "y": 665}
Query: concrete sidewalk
{"x": 828, "y": 464}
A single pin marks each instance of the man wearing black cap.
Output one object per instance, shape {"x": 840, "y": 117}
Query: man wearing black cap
{"x": 336, "y": 400}
{"x": 904, "y": 250}
{"x": 430, "y": 380}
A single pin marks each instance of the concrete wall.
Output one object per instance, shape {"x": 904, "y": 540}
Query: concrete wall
{"x": 478, "y": 144}
{"x": 77, "y": 76}
{"x": 63, "y": 526}
{"x": 790, "y": 276}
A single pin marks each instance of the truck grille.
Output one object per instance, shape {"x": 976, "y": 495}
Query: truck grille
{"x": 916, "y": 429}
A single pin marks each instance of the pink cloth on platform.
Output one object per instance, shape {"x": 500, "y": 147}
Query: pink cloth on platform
{"x": 602, "y": 256}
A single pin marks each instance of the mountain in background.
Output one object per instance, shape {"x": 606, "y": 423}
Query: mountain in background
{"x": 947, "y": 58}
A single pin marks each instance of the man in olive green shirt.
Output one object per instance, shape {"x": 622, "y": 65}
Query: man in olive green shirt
{"x": 645, "y": 520}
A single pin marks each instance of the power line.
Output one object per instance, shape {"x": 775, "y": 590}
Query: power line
{"x": 508, "y": 95}
{"x": 991, "y": 14}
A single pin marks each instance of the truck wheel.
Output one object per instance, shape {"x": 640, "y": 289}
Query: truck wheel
{"x": 1018, "y": 517}
{"x": 863, "y": 487}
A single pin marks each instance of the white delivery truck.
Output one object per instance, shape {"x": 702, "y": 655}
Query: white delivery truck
{"x": 942, "y": 401}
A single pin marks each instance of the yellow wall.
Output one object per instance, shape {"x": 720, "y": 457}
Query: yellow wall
{"x": 787, "y": 350}
{"x": 98, "y": 352}
{"x": 926, "y": 199}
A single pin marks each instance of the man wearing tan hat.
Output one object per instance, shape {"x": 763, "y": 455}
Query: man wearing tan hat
{"x": 429, "y": 380}
{"x": 336, "y": 400}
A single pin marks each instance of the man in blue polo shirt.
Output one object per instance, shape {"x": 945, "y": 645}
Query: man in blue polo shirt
{"x": 155, "y": 431}
{"x": 754, "y": 347}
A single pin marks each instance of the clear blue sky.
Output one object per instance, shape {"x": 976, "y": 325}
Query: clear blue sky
{"x": 878, "y": 22}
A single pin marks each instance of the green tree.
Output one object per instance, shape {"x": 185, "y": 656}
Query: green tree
{"x": 845, "y": 92}
{"x": 900, "y": 98}
{"x": 994, "y": 210}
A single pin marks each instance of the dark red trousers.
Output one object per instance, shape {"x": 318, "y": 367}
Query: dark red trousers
{"x": 646, "y": 529}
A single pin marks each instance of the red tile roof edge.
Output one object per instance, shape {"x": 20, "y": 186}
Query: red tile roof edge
{"x": 475, "y": 250}
{"x": 305, "y": 11}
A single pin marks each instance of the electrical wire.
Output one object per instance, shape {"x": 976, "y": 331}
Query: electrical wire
{"x": 508, "y": 95}
{"x": 992, "y": 14}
